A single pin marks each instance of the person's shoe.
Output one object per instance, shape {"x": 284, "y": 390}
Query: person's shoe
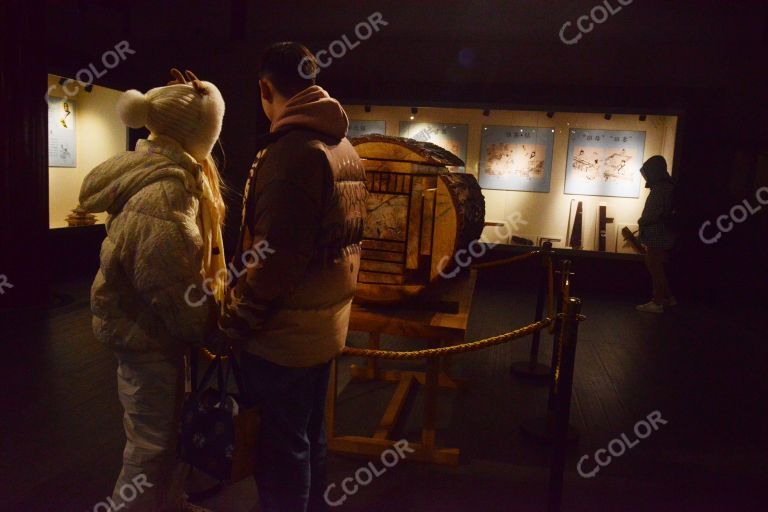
{"x": 650, "y": 307}
{"x": 671, "y": 302}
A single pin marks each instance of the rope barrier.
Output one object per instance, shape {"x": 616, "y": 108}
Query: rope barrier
{"x": 474, "y": 345}
{"x": 453, "y": 349}
{"x": 493, "y": 340}
{"x": 506, "y": 261}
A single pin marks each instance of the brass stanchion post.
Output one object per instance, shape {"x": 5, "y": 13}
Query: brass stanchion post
{"x": 532, "y": 369}
{"x": 562, "y": 387}
{"x": 542, "y": 428}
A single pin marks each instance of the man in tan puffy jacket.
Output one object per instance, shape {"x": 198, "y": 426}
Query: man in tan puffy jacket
{"x": 305, "y": 198}
{"x": 163, "y": 235}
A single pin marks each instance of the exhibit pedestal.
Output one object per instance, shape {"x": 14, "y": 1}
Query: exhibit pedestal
{"x": 438, "y": 327}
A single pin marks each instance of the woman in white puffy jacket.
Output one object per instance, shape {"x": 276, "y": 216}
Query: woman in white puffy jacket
{"x": 163, "y": 241}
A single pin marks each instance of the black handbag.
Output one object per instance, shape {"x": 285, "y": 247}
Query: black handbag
{"x": 217, "y": 433}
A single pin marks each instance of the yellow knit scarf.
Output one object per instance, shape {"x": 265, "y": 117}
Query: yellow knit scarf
{"x": 214, "y": 262}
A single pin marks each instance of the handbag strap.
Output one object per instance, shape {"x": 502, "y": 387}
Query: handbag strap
{"x": 223, "y": 376}
{"x": 238, "y": 374}
{"x": 221, "y": 370}
{"x": 207, "y": 377}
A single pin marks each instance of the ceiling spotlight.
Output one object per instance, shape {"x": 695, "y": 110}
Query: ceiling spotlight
{"x": 89, "y": 88}
{"x": 608, "y": 117}
{"x": 643, "y": 117}
{"x": 367, "y": 108}
{"x": 62, "y": 81}
{"x": 550, "y": 115}
{"x": 486, "y": 113}
{"x": 414, "y": 110}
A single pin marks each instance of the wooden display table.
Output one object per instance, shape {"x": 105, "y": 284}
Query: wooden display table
{"x": 440, "y": 316}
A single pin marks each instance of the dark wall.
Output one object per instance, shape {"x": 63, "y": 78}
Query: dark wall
{"x": 702, "y": 60}
{"x": 24, "y": 259}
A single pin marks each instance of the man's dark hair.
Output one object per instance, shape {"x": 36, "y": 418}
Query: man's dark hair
{"x": 290, "y": 67}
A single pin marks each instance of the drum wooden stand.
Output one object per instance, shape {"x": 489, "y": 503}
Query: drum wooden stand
{"x": 439, "y": 315}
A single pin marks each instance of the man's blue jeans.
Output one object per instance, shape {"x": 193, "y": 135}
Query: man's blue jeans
{"x": 291, "y": 459}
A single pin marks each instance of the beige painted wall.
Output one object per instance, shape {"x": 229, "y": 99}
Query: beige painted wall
{"x": 100, "y": 135}
{"x": 546, "y": 214}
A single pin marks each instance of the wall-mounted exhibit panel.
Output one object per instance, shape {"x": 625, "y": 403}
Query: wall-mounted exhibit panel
{"x": 359, "y": 128}
{"x": 516, "y": 158}
{"x": 604, "y": 162}
{"x": 62, "y": 132}
{"x": 83, "y": 131}
{"x": 449, "y": 136}
{"x": 569, "y": 178}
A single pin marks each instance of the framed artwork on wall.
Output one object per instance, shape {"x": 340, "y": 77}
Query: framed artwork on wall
{"x": 451, "y": 137}
{"x": 516, "y": 158}
{"x": 62, "y": 137}
{"x": 360, "y": 127}
{"x": 604, "y": 163}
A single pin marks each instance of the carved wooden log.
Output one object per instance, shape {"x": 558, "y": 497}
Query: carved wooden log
{"x": 419, "y": 214}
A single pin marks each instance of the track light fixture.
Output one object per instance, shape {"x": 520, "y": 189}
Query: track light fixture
{"x": 486, "y": 112}
{"x": 643, "y": 117}
{"x": 367, "y": 108}
{"x": 550, "y": 115}
{"x": 608, "y": 117}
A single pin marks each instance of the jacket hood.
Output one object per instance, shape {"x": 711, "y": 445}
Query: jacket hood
{"x": 654, "y": 170}
{"x": 313, "y": 108}
{"x": 112, "y": 183}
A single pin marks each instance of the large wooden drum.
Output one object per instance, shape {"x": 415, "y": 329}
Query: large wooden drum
{"x": 419, "y": 214}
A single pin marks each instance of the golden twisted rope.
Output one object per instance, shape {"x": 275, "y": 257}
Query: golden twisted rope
{"x": 474, "y": 345}
{"x": 506, "y": 261}
{"x": 454, "y": 349}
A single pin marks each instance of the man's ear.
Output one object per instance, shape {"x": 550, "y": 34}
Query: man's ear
{"x": 266, "y": 91}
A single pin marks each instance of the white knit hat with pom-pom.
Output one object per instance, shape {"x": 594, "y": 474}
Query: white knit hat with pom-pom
{"x": 190, "y": 116}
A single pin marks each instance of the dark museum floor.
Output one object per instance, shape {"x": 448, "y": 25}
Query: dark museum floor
{"x": 701, "y": 368}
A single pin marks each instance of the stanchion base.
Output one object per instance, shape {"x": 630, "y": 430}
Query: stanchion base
{"x": 538, "y": 374}
{"x": 538, "y": 429}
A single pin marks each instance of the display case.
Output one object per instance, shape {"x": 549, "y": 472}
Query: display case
{"x": 564, "y": 177}
{"x": 83, "y": 131}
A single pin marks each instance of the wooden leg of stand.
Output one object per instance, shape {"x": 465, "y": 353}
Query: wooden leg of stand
{"x": 430, "y": 404}
{"x": 395, "y": 407}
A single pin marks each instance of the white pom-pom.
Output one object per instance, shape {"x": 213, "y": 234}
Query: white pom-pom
{"x": 133, "y": 108}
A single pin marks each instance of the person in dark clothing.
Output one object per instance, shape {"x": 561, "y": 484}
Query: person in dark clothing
{"x": 655, "y": 232}
{"x": 303, "y": 212}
